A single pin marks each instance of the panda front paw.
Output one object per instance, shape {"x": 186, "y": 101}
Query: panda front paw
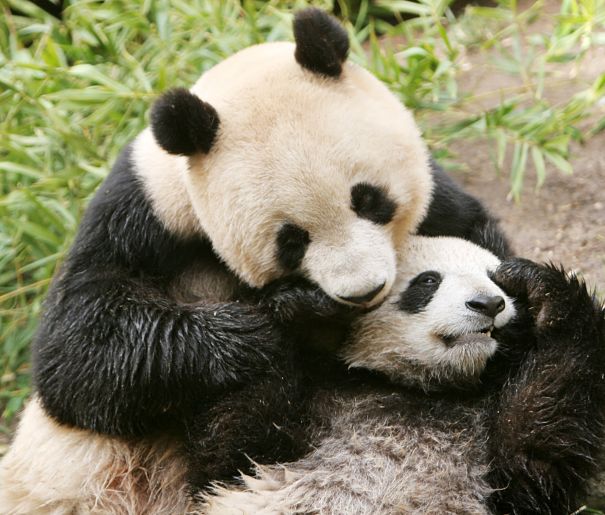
{"x": 296, "y": 301}
{"x": 556, "y": 301}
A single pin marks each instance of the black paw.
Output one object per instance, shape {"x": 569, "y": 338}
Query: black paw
{"x": 554, "y": 299}
{"x": 297, "y": 301}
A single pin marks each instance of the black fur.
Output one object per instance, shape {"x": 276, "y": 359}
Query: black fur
{"x": 274, "y": 421}
{"x": 419, "y": 292}
{"x": 292, "y": 243}
{"x": 114, "y": 353}
{"x": 453, "y": 212}
{"x": 295, "y": 300}
{"x": 183, "y": 124}
{"x": 309, "y": 316}
{"x": 372, "y": 203}
{"x": 269, "y": 420}
{"x": 322, "y": 44}
{"x": 262, "y": 422}
{"x": 547, "y": 424}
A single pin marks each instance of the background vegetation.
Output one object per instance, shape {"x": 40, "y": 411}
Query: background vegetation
{"x": 73, "y": 92}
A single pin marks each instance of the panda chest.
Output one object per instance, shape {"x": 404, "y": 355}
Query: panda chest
{"x": 203, "y": 282}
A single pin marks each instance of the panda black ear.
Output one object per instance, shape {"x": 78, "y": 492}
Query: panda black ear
{"x": 183, "y": 124}
{"x": 322, "y": 44}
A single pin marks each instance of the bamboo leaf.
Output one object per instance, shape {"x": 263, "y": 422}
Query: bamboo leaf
{"x": 538, "y": 160}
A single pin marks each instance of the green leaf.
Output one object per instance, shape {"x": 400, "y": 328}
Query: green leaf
{"x": 404, "y": 6}
{"x": 538, "y": 160}
{"x": 518, "y": 166}
{"x": 91, "y": 73}
{"x": 559, "y": 161}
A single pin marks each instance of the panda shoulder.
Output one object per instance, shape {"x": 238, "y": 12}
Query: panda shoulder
{"x": 161, "y": 177}
{"x": 137, "y": 215}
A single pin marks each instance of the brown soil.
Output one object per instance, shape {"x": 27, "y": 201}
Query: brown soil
{"x": 562, "y": 222}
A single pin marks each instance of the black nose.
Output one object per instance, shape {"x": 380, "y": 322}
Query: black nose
{"x": 489, "y": 306}
{"x": 365, "y": 297}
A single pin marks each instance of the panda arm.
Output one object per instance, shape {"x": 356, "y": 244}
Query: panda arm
{"x": 453, "y": 212}
{"x": 114, "y": 353}
{"x": 259, "y": 423}
{"x": 269, "y": 420}
{"x": 546, "y": 428}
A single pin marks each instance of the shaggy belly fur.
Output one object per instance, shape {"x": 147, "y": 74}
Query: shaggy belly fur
{"x": 375, "y": 457}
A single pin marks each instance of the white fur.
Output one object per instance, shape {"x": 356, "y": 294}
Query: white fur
{"x": 51, "y": 469}
{"x": 369, "y": 465}
{"x": 290, "y": 147}
{"x": 407, "y": 346}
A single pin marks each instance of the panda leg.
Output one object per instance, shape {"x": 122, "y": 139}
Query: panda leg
{"x": 546, "y": 429}
{"x": 259, "y": 423}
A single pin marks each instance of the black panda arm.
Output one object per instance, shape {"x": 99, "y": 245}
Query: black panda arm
{"x": 114, "y": 353}
{"x": 259, "y": 423}
{"x": 546, "y": 430}
{"x": 453, "y": 212}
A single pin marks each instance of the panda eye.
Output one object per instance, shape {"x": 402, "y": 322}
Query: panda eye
{"x": 372, "y": 203}
{"x": 419, "y": 292}
{"x": 430, "y": 278}
{"x": 292, "y": 243}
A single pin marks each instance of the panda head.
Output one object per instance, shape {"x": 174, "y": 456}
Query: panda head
{"x": 298, "y": 162}
{"x": 435, "y": 328}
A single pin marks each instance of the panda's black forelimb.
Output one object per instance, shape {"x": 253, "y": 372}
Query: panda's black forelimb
{"x": 114, "y": 352}
{"x": 453, "y": 212}
{"x": 268, "y": 421}
{"x": 295, "y": 300}
{"x": 126, "y": 360}
{"x": 547, "y": 424}
{"x": 261, "y": 423}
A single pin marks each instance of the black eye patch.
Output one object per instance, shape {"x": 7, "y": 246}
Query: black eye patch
{"x": 372, "y": 203}
{"x": 292, "y": 243}
{"x": 419, "y": 292}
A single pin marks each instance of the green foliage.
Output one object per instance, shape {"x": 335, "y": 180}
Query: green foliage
{"x": 72, "y": 93}
{"x": 524, "y": 121}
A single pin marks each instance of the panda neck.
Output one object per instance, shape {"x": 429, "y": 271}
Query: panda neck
{"x": 163, "y": 178}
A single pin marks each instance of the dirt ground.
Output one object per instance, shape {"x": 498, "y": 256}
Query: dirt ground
{"x": 562, "y": 222}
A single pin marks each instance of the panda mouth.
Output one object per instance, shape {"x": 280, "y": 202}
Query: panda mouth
{"x": 482, "y": 336}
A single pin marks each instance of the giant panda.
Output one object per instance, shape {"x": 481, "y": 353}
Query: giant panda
{"x": 487, "y": 396}
{"x": 283, "y": 160}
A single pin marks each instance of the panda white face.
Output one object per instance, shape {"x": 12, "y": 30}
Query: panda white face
{"x": 435, "y": 327}
{"x": 308, "y": 175}
{"x": 293, "y": 161}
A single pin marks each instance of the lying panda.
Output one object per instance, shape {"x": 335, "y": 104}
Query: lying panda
{"x": 494, "y": 405}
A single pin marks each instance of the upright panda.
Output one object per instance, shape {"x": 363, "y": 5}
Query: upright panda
{"x": 283, "y": 160}
{"x": 478, "y": 404}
